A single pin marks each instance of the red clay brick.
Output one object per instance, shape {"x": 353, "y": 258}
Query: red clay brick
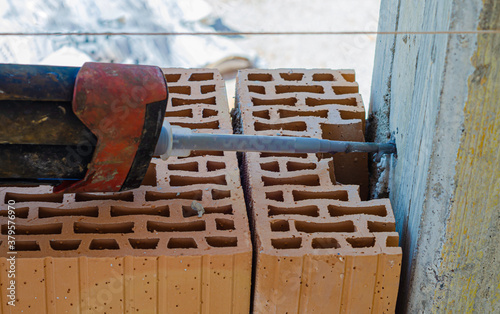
{"x": 144, "y": 250}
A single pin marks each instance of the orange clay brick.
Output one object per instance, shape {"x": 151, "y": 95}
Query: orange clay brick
{"x": 319, "y": 248}
{"x": 146, "y": 250}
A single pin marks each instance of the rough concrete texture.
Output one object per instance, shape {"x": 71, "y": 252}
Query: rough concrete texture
{"x": 318, "y": 247}
{"x": 145, "y": 250}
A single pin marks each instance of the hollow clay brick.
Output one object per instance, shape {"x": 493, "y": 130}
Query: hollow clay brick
{"x": 145, "y": 250}
{"x": 319, "y": 248}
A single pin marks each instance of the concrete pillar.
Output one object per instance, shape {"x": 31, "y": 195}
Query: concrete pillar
{"x": 438, "y": 96}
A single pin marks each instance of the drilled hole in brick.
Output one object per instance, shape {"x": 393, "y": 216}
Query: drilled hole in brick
{"x": 188, "y": 166}
{"x": 207, "y": 113}
{"x": 224, "y": 224}
{"x": 198, "y": 153}
{"x": 184, "y": 113}
{"x": 270, "y": 166}
{"x": 222, "y": 241}
{"x": 340, "y": 90}
{"x": 191, "y": 226}
{"x": 187, "y": 211}
{"x": 257, "y": 89}
{"x": 349, "y": 115}
{"x": 128, "y": 211}
{"x": 25, "y": 245}
{"x": 182, "y": 243}
{"x": 65, "y": 245}
{"x": 310, "y": 210}
{"x": 312, "y": 227}
{"x": 264, "y": 114}
{"x": 307, "y": 180}
{"x": 184, "y": 102}
{"x": 213, "y": 125}
{"x": 292, "y": 113}
{"x": 297, "y": 166}
{"x": 104, "y": 244}
{"x": 185, "y": 180}
{"x": 189, "y": 195}
{"x": 88, "y": 227}
{"x": 350, "y": 77}
{"x": 392, "y": 241}
{"x": 275, "y": 196}
{"x": 205, "y": 89}
{"x": 361, "y": 242}
{"x": 262, "y": 77}
{"x": 325, "y": 243}
{"x": 47, "y": 212}
{"x": 215, "y": 165}
{"x": 298, "y": 126}
{"x": 172, "y": 78}
{"x": 343, "y": 101}
{"x": 21, "y": 212}
{"x": 21, "y": 198}
{"x": 201, "y": 77}
{"x": 144, "y": 244}
{"x": 85, "y": 197}
{"x": 186, "y": 90}
{"x": 331, "y": 195}
{"x": 281, "y": 89}
{"x": 150, "y": 176}
{"x": 292, "y": 76}
{"x": 280, "y": 226}
{"x": 274, "y": 102}
{"x": 54, "y": 228}
{"x": 376, "y": 226}
{"x": 320, "y": 77}
{"x": 295, "y": 155}
{"x": 377, "y": 210}
{"x": 287, "y": 243}
{"x": 220, "y": 194}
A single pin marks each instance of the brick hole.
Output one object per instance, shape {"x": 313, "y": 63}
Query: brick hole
{"x": 262, "y": 77}
{"x": 191, "y": 226}
{"x": 272, "y": 166}
{"x": 321, "y": 77}
{"x": 47, "y": 212}
{"x": 117, "y": 211}
{"x": 313, "y": 227}
{"x": 187, "y": 211}
{"x": 184, "y": 113}
{"x": 213, "y": 125}
{"x": 307, "y": 180}
{"x": 222, "y": 241}
{"x": 350, "y": 77}
{"x": 287, "y": 243}
{"x": 188, "y": 166}
{"x": 172, "y": 78}
{"x": 341, "y": 90}
{"x": 274, "y": 102}
{"x": 263, "y": 114}
{"x": 220, "y": 194}
{"x": 310, "y": 210}
{"x": 280, "y": 226}
{"x": 215, "y": 165}
{"x": 351, "y": 101}
{"x": 298, "y": 126}
{"x": 350, "y": 115}
{"x": 104, "y": 244}
{"x": 26, "y": 245}
{"x": 292, "y": 155}
{"x": 203, "y": 153}
{"x": 257, "y": 89}
{"x": 185, "y": 180}
{"x": 392, "y": 241}
{"x": 88, "y": 227}
{"x": 144, "y": 244}
{"x": 331, "y": 195}
{"x": 86, "y": 197}
{"x": 376, "y": 226}
{"x": 54, "y": 228}
{"x": 21, "y": 212}
{"x": 292, "y": 76}
{"x": 293, "y": 113}
{"x": 282, "y": 89}
{"x": 65, "y": 245}
{"x": 275, "y": 196}
{"x": 195, "y": 195}
{"x": 325, "y": 243}
{"x": 182, "y": 243}
{"x": 150, "y": 176}
{"x": 186, "y": 90}
{"x": 201, "y": 76}
{"x": 21, "y": 198}
{"x": 183, "y": 102}
{"x": 205, "y": 89}
{"x": 224, "y": 224}
{"x": 338, "y": 210}
{"x": 207, "y": 113}
{"x": 361, "y": 242}
{"x": 297, "y": 166}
